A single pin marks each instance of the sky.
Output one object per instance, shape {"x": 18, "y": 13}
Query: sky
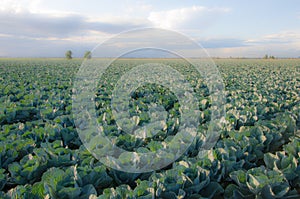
{"x": 231, "y": 28}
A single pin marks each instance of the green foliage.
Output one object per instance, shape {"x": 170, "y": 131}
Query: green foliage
{"x": 256, "y": 156}
{"x": 68, "y": 54}
{"x": 87, "y": 55}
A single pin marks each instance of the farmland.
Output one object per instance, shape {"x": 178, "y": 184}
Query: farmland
{"x": 256, "y": 156}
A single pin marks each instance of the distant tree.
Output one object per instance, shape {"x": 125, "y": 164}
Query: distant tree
{"x": 68, "y": 54}
{"x": 266, "y": 56}
{"x": 87, "y": 55}
{"x": 272, "y": 57}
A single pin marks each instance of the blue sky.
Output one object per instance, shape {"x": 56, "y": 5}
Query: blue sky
{"x": 40, "y": 28}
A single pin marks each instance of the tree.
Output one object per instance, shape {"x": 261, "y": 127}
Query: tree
{"x": 87, "y": 55}
{"x": 268, "y": 56}
{"x": 68, "y": 54}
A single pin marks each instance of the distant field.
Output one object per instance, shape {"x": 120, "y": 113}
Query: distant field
{"x": 256, "y": 156}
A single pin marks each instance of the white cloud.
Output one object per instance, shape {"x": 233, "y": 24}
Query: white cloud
{"x": 24, "y": 25}
{"x": 286, "y": 36}
{"x": 283, "y": 37}
{"x": 281, "y": 44}
{"x": 258, "y": 50}
{"x": 16, "y": 6}
{"x": 196, "y": 17}
{"x": 40, "y": 25}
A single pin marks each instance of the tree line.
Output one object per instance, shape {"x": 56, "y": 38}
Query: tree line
{"x": 268, "y": 56}
{"x": 87, "y": 54}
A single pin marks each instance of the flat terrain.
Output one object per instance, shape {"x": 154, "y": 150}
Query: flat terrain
{"x": 256, "y": 156}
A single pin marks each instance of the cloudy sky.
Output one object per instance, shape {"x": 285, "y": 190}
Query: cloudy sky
{"x": 43, "y": 28}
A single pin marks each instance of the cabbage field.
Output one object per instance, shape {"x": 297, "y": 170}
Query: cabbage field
{"x": 256, "y": 156}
